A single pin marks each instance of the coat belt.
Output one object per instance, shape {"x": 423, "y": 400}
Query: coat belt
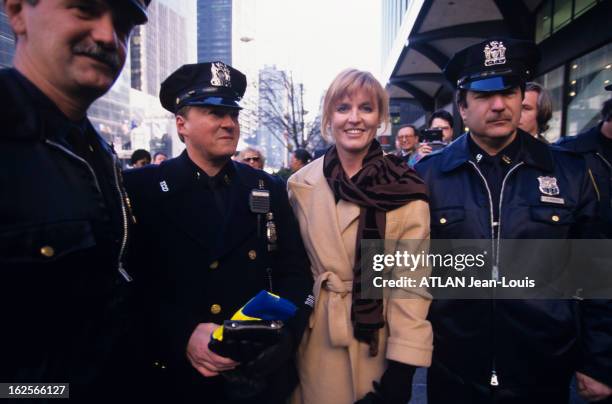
{"x": 338, "y": 316}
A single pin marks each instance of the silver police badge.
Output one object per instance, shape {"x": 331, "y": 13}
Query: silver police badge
{"x": 548, "y": 186}
{"x": 220, "y": 75}
{"x": 495, "y": 53}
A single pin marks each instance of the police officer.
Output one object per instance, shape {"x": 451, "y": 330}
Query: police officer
{"x": 211, "y": 234}
{"x": 63, "y": 212}
{"x": 596, "y": 146}
{"x": 512, "y": 187}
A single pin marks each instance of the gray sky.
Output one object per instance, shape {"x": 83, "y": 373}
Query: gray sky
{"x": 316, "y": 39}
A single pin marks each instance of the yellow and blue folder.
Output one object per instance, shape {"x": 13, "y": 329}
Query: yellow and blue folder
{"x": 265, "y": 306}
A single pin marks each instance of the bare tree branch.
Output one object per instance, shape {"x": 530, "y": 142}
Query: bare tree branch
{"x": 281, "y": 109}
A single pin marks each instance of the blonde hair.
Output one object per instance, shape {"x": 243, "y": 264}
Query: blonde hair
{"x": 347, "y": 83}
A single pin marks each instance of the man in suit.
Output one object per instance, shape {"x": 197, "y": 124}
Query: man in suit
{"x": 212, "y": 233}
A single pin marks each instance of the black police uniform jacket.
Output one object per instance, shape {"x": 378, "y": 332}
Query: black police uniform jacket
{"x": 589, "y": 145}
{"x": 200, "y": 268}
{"x": 530, "y": 344}
{"x": 63, "y": 301}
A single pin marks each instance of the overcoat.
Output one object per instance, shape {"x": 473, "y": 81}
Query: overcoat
{"x": 333, "y": 366}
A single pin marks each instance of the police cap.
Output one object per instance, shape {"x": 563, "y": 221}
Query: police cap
{"x": 136, "y": 8}
{"x": 493, "y": 65}
{"x": 203, "y": 84}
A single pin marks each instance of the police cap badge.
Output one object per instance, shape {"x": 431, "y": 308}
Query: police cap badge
{"x": 203, "y": 84}
{"x": 493, "y": 65}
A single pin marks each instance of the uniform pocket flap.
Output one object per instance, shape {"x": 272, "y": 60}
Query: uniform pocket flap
{"x": 551, "y": 215}
{"x": 45, "y": 242}
{"x": 446, "y": 216}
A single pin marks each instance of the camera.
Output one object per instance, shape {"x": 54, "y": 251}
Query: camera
{"x": 431, "y": 135}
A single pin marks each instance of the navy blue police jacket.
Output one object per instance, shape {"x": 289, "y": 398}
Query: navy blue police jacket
{"x": 589, "y": 145}
{"x": 64, "y": 301}
{"x": 529, "y": 344}
{"x": 200, "y": 265}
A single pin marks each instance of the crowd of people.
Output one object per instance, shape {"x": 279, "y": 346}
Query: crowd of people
{"x": 139, "y": 285}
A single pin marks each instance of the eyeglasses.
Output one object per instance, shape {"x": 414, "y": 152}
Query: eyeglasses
{"x": 246, "y": 159}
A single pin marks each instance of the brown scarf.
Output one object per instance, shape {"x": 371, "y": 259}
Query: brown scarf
{"x": 384, "y": 183}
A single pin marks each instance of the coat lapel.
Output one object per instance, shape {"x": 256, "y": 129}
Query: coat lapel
{"x": 324, "y": 225}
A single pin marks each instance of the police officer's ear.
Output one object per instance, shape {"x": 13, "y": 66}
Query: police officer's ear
{"x": 14, "y": 10}
{"x": 182, "y": 126}
{"x": 182, "y": 123}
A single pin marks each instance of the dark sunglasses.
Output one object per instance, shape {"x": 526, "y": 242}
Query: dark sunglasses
{"x": 251, "y": 159}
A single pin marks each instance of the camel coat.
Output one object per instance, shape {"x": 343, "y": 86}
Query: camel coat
{"x": 333, "y": 366}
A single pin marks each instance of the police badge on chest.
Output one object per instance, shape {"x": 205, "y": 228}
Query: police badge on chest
{"x": 549, "y": 189}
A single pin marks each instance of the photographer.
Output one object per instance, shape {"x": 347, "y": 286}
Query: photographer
{"x": 439, "y": 134}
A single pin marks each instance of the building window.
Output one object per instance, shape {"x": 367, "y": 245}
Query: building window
{"x": 543, "y": 23}
{"x": 556, "y": 14}
{"x": 580, "y": 6}
{"x": 553, "y": 83}
{"x": 587, "y": 77}
{"x": 562, "y": 14}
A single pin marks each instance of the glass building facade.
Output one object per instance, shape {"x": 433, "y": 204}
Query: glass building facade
{"x": 215, "y": 30}
{"x": 392, "y": 16}
{"x": 272, "y": 94}
{"x": 573, "y": 37}
{"x": 556, "y": 14}
{"x": 587, "y": 76}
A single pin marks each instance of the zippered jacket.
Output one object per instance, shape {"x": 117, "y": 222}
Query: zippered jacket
{"x": 521, "y": 345}
{"x": 589, "y": 145}
{"x": 63, "y": 293}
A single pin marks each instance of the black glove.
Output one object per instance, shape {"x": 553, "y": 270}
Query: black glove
{"x": 251, "y": 378}
{"x": 395, "y": 386}
{"x": 245, "y": 340}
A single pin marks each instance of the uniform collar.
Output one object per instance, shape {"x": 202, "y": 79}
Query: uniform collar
{"x": 54, "y": 119}
{"x": 508, "y": 155}
{"x": 222, "y": 179}
{"x": 180, "y": 173}
{"x": 32, "y": 115}
{"x": 532, "y": 152}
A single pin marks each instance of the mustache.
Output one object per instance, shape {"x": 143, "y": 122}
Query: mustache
{"x": 498, "y": 118}
{"x": 95, "y": 51}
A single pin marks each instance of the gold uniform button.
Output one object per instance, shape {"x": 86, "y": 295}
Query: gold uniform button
{"x": 252, "y": 254}
{"x": 47, "y": 251}
{"x": 215, "y": 309}
{"x": 214, "y": 265}
{"x": 555, "y": 218}
{"x": 443, "y": 220}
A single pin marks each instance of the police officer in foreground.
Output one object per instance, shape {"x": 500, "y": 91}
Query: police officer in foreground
{"x": 512, "y": 187}
{"x": 63, "y": 212}
{"x": 596, "y": 146}
{"x": 211, "y": 234}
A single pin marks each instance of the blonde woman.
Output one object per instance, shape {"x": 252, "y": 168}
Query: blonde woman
{"x": 358, "y": 349}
